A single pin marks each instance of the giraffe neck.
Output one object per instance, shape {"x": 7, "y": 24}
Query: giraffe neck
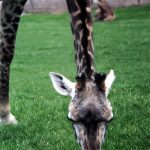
{"x": 81, "y": 23}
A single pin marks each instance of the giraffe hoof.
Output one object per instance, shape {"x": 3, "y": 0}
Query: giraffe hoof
{"x": 9, "y": 119}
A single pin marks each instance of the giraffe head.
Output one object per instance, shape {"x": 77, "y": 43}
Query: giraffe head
{"x": 89, "y": 108}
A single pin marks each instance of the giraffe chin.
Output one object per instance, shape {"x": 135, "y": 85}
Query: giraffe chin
{"x": 9, "y": 119}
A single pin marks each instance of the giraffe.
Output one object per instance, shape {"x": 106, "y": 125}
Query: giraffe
{"x": 89, "y": 109}
{"x": 103, "y": 12}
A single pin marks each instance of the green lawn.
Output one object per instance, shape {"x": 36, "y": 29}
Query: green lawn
{"x": 44, "y": 43}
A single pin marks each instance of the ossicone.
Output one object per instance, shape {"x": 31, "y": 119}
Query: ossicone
{"x": 99, "y": 80}
{"x": 80, "y": 81}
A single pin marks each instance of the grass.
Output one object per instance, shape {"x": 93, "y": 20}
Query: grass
{"x": 44, "y": 43}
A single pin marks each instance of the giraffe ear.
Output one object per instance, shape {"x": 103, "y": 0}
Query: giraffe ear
{"x": 62, "y": 85}
{"x": 109, "y": 81}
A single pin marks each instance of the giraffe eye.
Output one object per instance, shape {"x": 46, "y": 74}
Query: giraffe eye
{"x": 71, "y": 117}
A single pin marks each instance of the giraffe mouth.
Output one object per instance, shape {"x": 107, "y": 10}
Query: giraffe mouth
{"x": 90, "y": 136}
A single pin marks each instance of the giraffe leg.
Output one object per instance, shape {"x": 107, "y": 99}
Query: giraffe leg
{"x": 10, "y": 16}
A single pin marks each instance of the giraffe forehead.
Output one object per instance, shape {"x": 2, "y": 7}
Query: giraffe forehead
{"x": 90, "y": 86}
{"x": 90, "y": 89}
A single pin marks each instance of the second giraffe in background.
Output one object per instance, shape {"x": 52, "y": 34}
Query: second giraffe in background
{"x": 103, "y": 11}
